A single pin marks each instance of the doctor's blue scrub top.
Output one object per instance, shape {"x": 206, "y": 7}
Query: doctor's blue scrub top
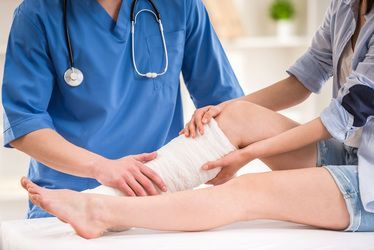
{"x": 114, "y": 112}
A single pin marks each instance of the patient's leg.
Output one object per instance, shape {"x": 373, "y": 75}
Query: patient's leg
{"x": 179, "y": 162}
{"x": 307, "y": 196}
{"x": 240, "y": 124}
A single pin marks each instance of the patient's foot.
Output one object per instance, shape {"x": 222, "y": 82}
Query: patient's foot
{"x": 84, "y": 212}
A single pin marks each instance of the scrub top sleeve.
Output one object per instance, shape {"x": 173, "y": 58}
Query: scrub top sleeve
{"x": 315, "y": 67}
{"x": 206, "y": 69}
{"x": 354, "y": 105}
{"x": 28, "y": 80}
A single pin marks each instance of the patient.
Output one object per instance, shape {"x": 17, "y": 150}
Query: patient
{"x": 252, "y": 196}
{"x": 316, "y": 179}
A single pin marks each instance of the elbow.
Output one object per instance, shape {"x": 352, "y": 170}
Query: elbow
{"x": 304, "y": 94}
{"x": 301, "y": 92}
{"x": 17, "y": 143}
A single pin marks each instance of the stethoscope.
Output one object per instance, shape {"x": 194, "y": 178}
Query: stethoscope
{"x": 74, "y": 77}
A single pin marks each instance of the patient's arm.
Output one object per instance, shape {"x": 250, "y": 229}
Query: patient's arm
{"x": 287, "y": 141}
{"x": 290, "y": 140}
{"x": 281, "y": 95}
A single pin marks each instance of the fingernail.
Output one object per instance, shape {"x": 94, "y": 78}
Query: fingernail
{"x": 204, "y": 120}
{"x": 205, "y": 167}
{"x": 164, "y": 189}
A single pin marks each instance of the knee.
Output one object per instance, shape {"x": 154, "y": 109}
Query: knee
{"x": 234, "y": 118}
{"x": 232, "y": 111}
{"x": 236, "y": 112}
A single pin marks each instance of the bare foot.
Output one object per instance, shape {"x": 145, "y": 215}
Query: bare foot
{"x": 84, "y": 212}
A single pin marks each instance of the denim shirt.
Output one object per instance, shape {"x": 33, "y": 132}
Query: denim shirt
{"x": 352, "y": 106}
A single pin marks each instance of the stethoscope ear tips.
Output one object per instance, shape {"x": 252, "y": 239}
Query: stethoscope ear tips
{"x": 73, "y": 77}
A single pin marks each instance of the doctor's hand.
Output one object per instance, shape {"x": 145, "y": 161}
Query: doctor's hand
{"x": 131, "y": 176}
{"x": 200, "y": 118}
{"x": 229, "y": 164}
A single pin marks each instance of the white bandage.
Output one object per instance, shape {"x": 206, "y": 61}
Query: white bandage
{"x": 179, "y": 162}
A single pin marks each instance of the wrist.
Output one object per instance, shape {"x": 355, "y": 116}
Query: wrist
{"x": 96, "y": 166}
{"x": 249, "y": 153}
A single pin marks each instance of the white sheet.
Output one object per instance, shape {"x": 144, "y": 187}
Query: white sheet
{"x": 51, "y": 234}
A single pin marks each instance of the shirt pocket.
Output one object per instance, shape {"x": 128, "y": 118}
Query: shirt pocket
{"x": 175, "y": 48}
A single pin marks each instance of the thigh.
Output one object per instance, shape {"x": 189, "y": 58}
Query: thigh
{"x": 306, "y": 196}
{"x": 245, "y": 123}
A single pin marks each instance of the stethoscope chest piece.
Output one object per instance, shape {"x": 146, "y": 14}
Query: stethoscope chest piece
{"x": 73, "y": 77}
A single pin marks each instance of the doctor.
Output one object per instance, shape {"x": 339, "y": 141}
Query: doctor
{"x": 84, "y": 92}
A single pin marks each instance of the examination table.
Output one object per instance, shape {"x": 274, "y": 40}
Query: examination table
{"x": 51, "y": 234}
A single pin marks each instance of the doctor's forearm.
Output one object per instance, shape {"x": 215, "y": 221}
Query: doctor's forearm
{"x": 51, "y": 149}
{"x": 281, "y": 95}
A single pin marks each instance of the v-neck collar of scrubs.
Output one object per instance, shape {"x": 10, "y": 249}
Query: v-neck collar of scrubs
{"x": 119, "y": 28}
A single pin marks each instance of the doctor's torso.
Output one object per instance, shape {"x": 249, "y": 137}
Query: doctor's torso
{"x": 114, "y": 107}
{"x": 114, "y": 112}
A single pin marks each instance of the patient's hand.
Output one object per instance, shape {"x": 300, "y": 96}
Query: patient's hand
{"x": 131, "y": 176}
{"x": 230, "y": 164}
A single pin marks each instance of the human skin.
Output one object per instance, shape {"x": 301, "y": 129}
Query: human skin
{"x": 299, "y": 193}
{"x": 128, "y": 174}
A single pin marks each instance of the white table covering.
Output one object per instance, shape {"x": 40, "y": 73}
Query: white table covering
{"x": 50, "y": 234}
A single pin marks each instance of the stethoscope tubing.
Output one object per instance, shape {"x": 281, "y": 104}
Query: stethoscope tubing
{"x": 67, "y": 36}
{"x": 133, "y": 7}
{"x": 133, "y": 24}
{"x": 74, "y": 77}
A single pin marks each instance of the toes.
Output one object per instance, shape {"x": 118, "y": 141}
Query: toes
{"x": 24, "y": 182}
{"x": 32, "y": 187}
{"x": 36, "y": 199}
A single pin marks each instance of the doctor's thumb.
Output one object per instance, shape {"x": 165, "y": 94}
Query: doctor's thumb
{"x": 146, "y": 157}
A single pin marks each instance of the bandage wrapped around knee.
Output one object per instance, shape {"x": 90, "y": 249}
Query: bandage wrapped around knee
{"x": 179, "y": 162}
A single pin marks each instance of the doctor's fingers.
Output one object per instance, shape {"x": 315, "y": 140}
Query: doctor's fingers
{"x": 154, "y": 177}
{"x": 211, "y": 113}
{"x": 124, "y": 188}
{"x": 146, "y": 184}
{"x": 135, "y": 186}
{"x": 197, "y": 118}
{"x": 146, "y": 157}
{"x": 192, "y": 128}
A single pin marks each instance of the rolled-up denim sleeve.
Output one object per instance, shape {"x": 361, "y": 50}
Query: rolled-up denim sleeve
{"x": 315, "y": 67}
{"x": 28, "y": 79}
{"x": 354, "y": 105}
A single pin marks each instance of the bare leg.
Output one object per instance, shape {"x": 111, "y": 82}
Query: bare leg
{"x": 307, "y": 196}
{"x": 245, "y": 123}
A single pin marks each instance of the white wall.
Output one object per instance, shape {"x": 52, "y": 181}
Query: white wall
{"x": 13, "y": 164}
